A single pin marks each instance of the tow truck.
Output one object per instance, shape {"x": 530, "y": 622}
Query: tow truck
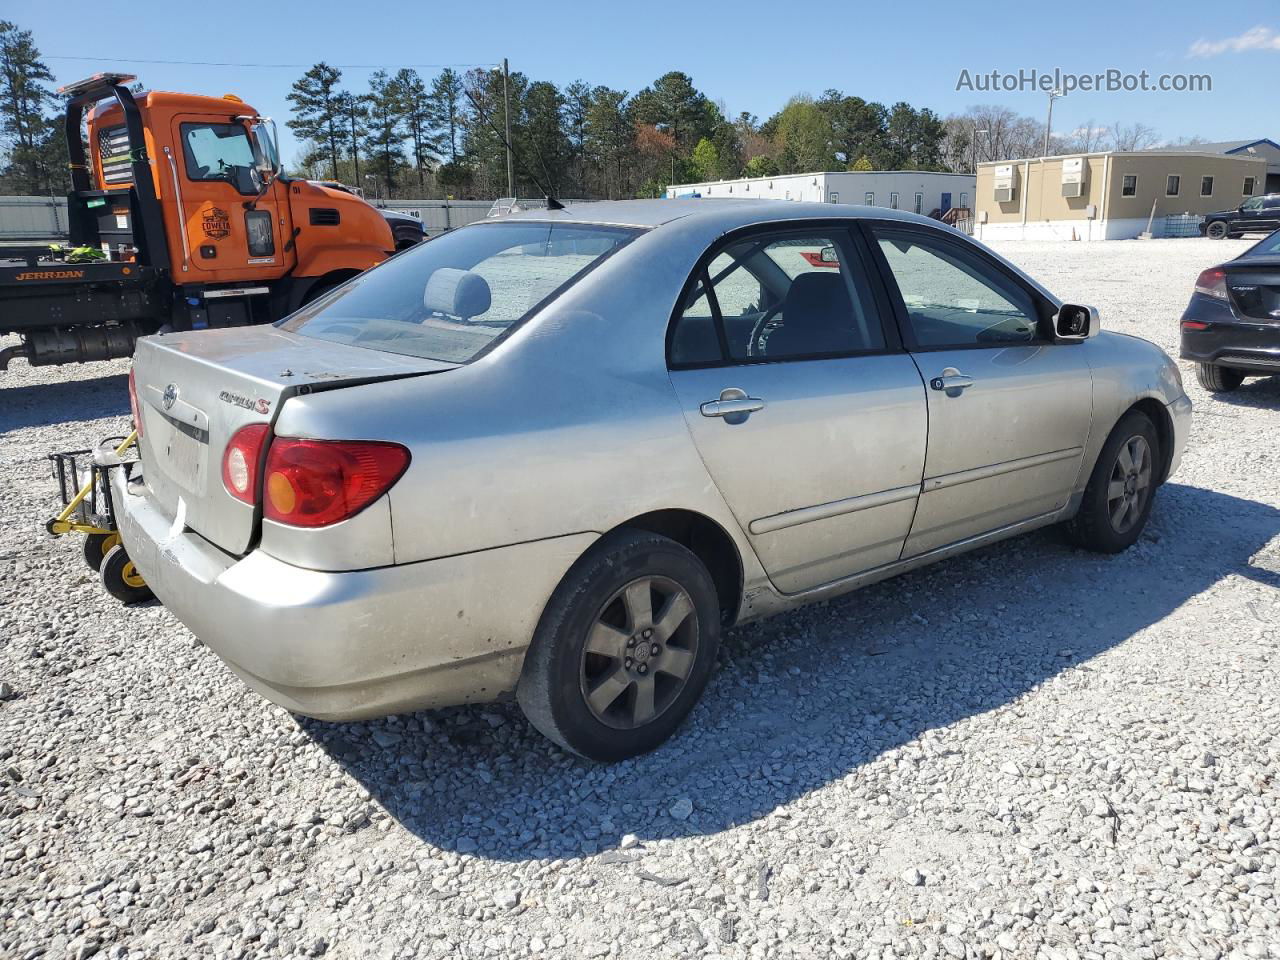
{"x": 180, "y": 218}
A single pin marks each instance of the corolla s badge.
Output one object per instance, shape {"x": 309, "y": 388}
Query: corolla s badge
{"x": 170, "y": 396}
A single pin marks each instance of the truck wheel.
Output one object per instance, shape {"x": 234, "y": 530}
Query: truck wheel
{"x": 623, "y": 649}
{"x": 122, "y": 579}
{"x": 1216, "y": 230}
{"x": 97, "y": 546}
{"x": 1117, "y": 501}
{"x": 1218, "y": 379}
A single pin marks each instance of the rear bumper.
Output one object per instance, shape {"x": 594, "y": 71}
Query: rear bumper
{"x": 1228, "y": 341}
{"x": 353, "y": 644}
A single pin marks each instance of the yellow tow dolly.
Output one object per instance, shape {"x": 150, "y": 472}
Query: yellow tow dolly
{"x": 87, "y": 509}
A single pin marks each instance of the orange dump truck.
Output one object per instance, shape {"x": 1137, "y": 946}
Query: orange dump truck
{"x": 180, "y": 218}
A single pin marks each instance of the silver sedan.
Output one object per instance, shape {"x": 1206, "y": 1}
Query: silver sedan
{"x": 557, "y": 454}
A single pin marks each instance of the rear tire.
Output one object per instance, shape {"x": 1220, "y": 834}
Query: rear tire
{"x": 1218, "y": 379}
{"x": 1216, "y": 230}
{"x": 121, "y": 578}
{"x": 624, "y": 648}
{"x": 1121, "y": 490}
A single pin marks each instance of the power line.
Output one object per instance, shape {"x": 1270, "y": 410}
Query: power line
{"x": 275, "y": 66}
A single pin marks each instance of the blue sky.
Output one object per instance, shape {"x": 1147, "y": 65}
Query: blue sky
{"x": 750, "y": 55}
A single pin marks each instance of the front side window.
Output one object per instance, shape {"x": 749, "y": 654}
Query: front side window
{"x": 952, "y": 296}
{"x": 1253, "y": 203}
{"x": 777, "y": 297}
{"x": 1172, "y": 185}
{"x": 1129, "y": 186}
{"x": 450, "y": 298}
{"x": 1206, "y": 186}
{"x": 1248, "y": 186}
{"x": 220, "y": 151}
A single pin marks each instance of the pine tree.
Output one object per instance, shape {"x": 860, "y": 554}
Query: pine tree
{"x": 317, "y": 114}
{"x": 23, "y": 98}
{"x": 384, "y": 139}
{"x": 353, "y": 111}
{"x": 416, "y": 109}
{"x": 446, "y": 110}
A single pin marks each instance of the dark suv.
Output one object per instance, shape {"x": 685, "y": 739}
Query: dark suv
{"x": 1231, "y": 327}
{"x": 1255, "y": 215}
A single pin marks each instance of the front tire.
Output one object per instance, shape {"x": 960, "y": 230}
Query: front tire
{"x": 1216, "y": 230}
{"x": 1218, "y": 379}
{"x": 624, "y": 648}
{"x": 1122, "y": 487}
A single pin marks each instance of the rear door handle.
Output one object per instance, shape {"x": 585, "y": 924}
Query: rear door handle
{"x": 952, "y": 381}
{"x": 733, "y": 403}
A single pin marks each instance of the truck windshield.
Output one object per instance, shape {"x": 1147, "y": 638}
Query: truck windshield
{"x": 451, "y": 297}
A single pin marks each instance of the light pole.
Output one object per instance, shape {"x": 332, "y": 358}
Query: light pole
{"x": 975, "y": 149}
{"x": 1048, "y": 124}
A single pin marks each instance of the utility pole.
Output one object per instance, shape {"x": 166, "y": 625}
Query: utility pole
{"x": 506, "y": 119}
{"x": 1048, "y": 124}
{"x": 975, "y": 149}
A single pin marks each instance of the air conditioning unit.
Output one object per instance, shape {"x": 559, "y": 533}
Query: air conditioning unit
{"x": 1073, "y": 177}
{"x": 1005, "y": 182}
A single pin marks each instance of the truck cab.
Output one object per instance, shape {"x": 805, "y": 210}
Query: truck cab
{"x": 196, "y": 224}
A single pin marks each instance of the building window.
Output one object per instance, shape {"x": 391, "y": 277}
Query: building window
{"x": 893, "y": 200}
{"x": 919, "y": 203}
{"x": 1172, "y": 184}
{"x": 1249, "y": 183}
{"x": 1206, "y": 186}
{"x": 964, "y": 201}
{"x": 835, "y": 196}
{"x": 869, "y": 199}
{"x": 788, "y": 194}
{"x": 1129, "y": 187}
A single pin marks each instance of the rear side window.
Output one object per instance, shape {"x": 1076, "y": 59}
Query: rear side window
{"x": 954, "y": 298}
{"x": 450, "y": 298}
{"x": 777, "y": 297}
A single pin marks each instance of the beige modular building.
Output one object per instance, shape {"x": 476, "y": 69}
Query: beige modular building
{"x": 1108, "y": 195}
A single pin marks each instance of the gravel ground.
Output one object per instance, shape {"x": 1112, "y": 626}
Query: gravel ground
{"x": 1024, "y": 752}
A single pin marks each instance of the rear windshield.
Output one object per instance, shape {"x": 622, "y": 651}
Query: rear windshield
{"x": 449, "y": 298}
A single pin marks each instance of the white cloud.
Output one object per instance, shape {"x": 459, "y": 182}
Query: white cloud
{"x": 1258, "y": 38}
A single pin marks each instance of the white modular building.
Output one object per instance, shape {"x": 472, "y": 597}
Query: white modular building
{"x": 918, "y": 191}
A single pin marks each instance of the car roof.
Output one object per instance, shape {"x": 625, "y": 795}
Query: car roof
{"x": 726, "y": 214}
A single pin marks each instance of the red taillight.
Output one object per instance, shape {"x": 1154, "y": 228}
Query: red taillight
{"x": 313, "y": 483}
{"x": 1194, "y": 325}
{"x": 133, "y": 402}
{"x": 240, "y": 462}
{"x": 1213, "y": 283}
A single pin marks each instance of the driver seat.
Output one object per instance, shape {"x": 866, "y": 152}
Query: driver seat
{"x": 817, "y": 318}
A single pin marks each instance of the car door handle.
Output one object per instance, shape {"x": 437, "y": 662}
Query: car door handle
{"x": 733, "y": 402}
{"x": 952, "y": 381}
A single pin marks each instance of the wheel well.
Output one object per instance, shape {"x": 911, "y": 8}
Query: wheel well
{"x": 709, "y": 542}
{"x": 1158, "y": 415}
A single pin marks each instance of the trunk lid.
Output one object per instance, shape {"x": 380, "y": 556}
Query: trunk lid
{"x": 195, "y": 390}
{"x": 1254, "y": 283}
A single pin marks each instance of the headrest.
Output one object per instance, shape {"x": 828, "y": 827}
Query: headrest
{"x": 458, "y": 293}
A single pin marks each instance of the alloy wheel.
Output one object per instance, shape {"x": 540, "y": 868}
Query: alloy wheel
{"x": 639, "y": 652}
{"x": 1130, "y": 484}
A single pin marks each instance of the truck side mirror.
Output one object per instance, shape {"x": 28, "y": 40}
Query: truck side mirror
{"x": 1076, "y": 322}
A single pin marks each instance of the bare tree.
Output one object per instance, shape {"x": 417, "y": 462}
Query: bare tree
{"x": 988, "y": 132}
{"x": 1133, "y": 136}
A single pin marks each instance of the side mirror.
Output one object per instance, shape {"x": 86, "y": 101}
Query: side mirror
{"x": 1076, "y": 322}
{"x": 828, "y": 254}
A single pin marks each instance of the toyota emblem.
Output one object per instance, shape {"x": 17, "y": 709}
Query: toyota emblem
{"x": 170, "y": 396}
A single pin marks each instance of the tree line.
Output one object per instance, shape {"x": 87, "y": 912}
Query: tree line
{"x": 405, "y": 135}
